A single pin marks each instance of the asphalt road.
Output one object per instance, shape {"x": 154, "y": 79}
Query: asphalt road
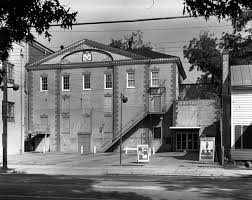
{"x": 26, "y": 187}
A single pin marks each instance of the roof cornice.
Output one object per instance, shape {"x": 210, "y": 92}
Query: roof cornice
{"x": 100, "y": 64}
{"x": 92, "y": 44}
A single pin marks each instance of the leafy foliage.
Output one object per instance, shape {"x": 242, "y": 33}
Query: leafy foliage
{"x": 239, "y": 11}
{"x": 203, "y": 54}
{"x": 19, "y": 18}
{"x": 131, "y": 41}
{"x": 239, "y": 48}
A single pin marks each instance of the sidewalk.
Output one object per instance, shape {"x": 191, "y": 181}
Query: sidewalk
{"x": 170, "y": 163}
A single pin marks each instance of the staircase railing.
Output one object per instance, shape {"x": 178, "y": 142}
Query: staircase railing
{"x": 125, "y": 128}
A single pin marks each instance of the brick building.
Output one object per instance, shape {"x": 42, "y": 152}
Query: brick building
{"x": 74, "y": 98}
{"x": 19, "y": 56}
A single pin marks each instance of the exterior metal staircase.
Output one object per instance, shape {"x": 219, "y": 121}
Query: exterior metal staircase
{"x": 127, "y": 126}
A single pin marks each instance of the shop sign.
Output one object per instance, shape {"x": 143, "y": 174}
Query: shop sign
{"x": 207, "y": 149}
{"x": 143, "y": 153}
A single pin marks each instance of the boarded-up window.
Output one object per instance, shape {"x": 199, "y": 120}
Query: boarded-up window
{"x": 65, "y": 104}
{"x": 43, "y": 127}
{"x": 66, "y": 124}
{"x": 108, "y": 104}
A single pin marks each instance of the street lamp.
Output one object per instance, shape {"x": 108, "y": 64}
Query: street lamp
{"x": 123, "y": 100}
{"x": 4, "y": 88}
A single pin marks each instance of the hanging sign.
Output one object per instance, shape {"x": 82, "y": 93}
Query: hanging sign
{"x": 207, "y": 149}
{"x": 143, "y": 153}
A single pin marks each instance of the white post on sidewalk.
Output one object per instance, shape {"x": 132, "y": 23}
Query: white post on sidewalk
{"x": 81, "y": 149}
{"x": 94, "y": 149}
{"x": 149, "y": 151}
{"x": 153, "y": 150}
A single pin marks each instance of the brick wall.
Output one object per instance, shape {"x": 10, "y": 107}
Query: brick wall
{"x": 87, "y": 107}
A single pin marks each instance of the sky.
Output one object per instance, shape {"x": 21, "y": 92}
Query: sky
{"x": 166, "y": 36}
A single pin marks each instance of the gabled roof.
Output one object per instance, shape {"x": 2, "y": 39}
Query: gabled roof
{"x": 155, "y": 55}
{"x": 137, "y": 55}
{"x": 41, "y": 46}
{"x": 92, "y": 44}
{"x": 241, "y": 75}
{"x": 151, "y": 54}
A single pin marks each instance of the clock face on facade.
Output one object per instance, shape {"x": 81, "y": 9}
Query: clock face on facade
{"x": 87, "y": 56}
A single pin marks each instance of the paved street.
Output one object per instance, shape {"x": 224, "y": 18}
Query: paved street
{"x": 25, "y": 186}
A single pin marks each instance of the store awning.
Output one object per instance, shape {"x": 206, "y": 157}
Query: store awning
{"x": 185, "y": 127}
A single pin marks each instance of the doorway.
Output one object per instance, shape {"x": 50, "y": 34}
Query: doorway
{"x": 187, "y": 141}
{"x": 84, "y": 143}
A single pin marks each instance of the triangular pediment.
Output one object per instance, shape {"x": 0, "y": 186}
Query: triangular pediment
{"x": 87, "y": 51}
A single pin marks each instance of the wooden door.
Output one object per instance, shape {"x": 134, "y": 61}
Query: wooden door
{"x": 84, "y": 143}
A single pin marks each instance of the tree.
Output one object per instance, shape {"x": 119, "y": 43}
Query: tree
{"x": 19, "y": 18}
{"x": 239, "y": 48}
{"x": 239, "y": 11}
{"x": 131, "y": 41}
{"x": 203, "y": 54}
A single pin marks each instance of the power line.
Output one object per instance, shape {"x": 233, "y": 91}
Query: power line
{"x": 151, "y": 29}
{"x": 126, "y": 21}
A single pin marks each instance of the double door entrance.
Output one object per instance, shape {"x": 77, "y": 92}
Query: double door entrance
{"x": 187, "y": 141}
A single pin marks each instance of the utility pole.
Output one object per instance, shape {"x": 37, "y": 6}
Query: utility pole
{"x": 4, "y": 88}
{"x": 4, "y": 114}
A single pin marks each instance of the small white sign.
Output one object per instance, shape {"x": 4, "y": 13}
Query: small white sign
{"x": 207, "y": 149}
{"x": 143, "y": 153}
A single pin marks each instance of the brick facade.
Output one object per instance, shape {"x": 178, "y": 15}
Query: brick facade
{"x": 83, "y": 118}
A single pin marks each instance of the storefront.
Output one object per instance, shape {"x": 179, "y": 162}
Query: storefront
{"x": 185, "y": 138}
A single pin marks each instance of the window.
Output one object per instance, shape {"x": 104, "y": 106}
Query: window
{"x": 108, "y": 104}
{"x": 243, "y": 137}
{"x": 108, "y": 81}
{"x": 130, "y": 80}
{"x": 155, "y": 79}
{"x": 65, "y": 83}
{"x": 157, "y": 132}
{"x": 10, "y": 69}
{"x": 44, "y": 123}
{"x": 187, "y": 140}
{"x": 86, "y": 82}
{"x": 11, "y": 111}
{"x": 43, "y": 83}
{"x": 65, "y": 124}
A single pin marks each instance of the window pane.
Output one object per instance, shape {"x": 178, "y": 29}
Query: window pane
{"x": 131, "y": 79}
{"x": 87, "y": 84}
{"x": 155, "y": 78}
{"x": 44, "y": 85}
{"x": 66, "y": 85}
{"x": 108, "y": 81}
{"x": 10, "y": 111}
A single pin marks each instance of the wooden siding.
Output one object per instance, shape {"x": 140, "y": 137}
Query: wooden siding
{"x": 241, "y": 154}
{"x": 241, "y": 114}
{"x": 242, "y": 107}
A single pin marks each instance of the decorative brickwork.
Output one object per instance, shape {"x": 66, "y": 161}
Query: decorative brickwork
{"x": 146, "y": 87}
{"x": 115, "y": 101}
{"x": 57, "y": 108}
{"x": 30, "y": 99}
